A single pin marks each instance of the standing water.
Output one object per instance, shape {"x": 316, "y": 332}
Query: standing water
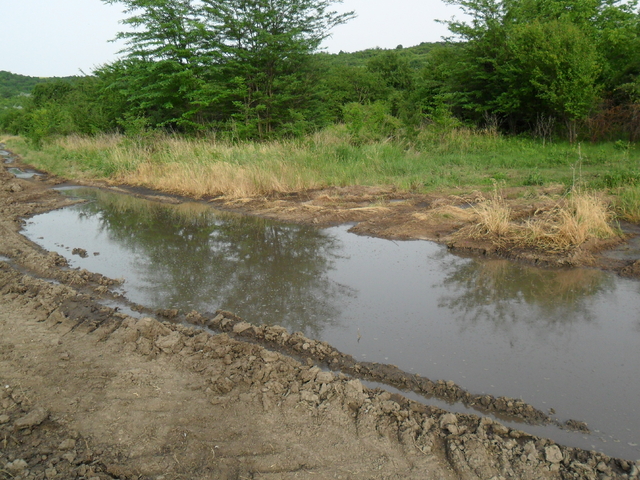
{"x": 562, "y": 339}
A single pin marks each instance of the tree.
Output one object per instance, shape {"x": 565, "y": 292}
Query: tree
{"x": 520, "y": 58}
{"x": 560, "y": 65}
{"x": 160, "y": 30}
{"x": 266, "y": 47}
{"x": 239, "y": 62}
{"x": 163, "y": 59}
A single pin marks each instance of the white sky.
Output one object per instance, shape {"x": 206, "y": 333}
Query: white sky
{"x": 64, "y": 37}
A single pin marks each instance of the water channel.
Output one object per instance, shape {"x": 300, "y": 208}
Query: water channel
{"x": 562, "y": 339}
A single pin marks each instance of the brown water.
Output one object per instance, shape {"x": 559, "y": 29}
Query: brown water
{"x": 562, "y": 339}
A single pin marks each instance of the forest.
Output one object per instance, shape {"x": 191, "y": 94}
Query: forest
{"x": 253, "y": 70}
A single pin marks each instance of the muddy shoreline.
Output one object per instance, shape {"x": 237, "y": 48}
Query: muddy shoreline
{"x": 39, "y": 295}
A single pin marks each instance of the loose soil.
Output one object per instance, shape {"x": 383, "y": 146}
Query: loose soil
{"x": 89, "y": 392}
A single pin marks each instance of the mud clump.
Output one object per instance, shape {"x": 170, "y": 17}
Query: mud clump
{"x": 81, "y": 252}
{"x": 321, "y": 352}
{"x": 632, "y": 270}
{"x": 35, "y": 446}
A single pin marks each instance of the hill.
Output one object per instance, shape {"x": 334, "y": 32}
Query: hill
{"x": 416, "y": 55}
{"x": 13, "y": 84}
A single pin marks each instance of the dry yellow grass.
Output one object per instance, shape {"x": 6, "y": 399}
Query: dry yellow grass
{"x": 82, "y": 143}
{"x": 446, "y": 212}
{"x": 493, "y": 217}
{"x": 197, "y": 167}
{"x": 580, "y": 217}
{"x": 216, "y": 179}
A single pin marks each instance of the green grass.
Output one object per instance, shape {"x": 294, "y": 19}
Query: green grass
{"x": 455, "y": 160}
{"x": 627, "y": 204}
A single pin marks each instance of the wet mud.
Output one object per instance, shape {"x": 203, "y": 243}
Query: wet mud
{"x": 454, "y": 445}
{"x": 323, "y": 354}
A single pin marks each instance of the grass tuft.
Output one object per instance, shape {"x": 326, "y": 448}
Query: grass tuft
{"x": 627, "y": 205}
{"x": 580, "y": 217}
{"x": 493, "y": 217}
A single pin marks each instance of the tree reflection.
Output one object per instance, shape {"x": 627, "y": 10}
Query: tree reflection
{"x": 506, "y": 293}
{"x": 192, "y": 257}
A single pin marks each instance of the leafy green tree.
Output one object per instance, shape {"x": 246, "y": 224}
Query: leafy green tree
{"x": 519, "y": 58}
{"x": 561, "y": 68}
{"x": 266, "y": 46}
{"x": 163, "y": 59}
{"x": 344, "y": 84}
{"x": 160, "y": 30}
{"x": 393, "y": 68}
{"x": 244, "y": 63}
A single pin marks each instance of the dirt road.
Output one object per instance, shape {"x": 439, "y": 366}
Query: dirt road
{"x": 88, "y": 392}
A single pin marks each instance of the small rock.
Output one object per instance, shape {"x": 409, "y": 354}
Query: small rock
{"x": 553, "y": 454}
{"x": 33, "y": 418}
{"x": 4, "y": 419}
{"x": 80, "y": 252}
{"x": 324, "y": 377}
{"x": 427, "y": 424}
{"x": 309, "y": 375}
{"x": 354, "y": 393}
{"x": 241, "y": 327}
{"x": 15, "y": 188}
{"x": 50, "y": 472}
{"x": 448, "y": 419}
{"x": 168, "y": 313}
{"x": 69, "y": 456}
{"x": 310, "y": 397}
{"x": 578, "y": 426}
{"x": 171, "y": 343}
{"x": 499, "y": 429}
{"x": 16, "y": 467}
{"x": 269, "y": 356}
{"x": 389, "y": 406}
{"x": 68, "y": 444}
{"x": 581, "y": 467}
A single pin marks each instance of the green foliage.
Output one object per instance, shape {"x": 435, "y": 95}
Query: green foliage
{"x": 238, "y": 64}
{"x": 369, "y": 123}
{"x": 522, "y": 59}
{"x": 250, "y": 69}
{"x": 627, "y": 204}
{"x": 618, "y": 177}
{"x": 534, "y": 178}
{"x": 13, "y": 85}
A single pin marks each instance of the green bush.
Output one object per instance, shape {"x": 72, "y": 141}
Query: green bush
{"x": 370, "y": 123}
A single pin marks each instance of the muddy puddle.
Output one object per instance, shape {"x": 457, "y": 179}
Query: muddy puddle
{"x": 562, "y": 339}
{"x": 24, "y": 174}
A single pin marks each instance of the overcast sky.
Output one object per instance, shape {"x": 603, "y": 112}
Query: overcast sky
{"x": 66, "y": 37}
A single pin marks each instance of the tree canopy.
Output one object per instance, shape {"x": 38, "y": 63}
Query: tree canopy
{"x": 254, "y": 69}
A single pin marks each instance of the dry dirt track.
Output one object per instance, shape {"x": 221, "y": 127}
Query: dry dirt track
{"x": 87, "y": 392}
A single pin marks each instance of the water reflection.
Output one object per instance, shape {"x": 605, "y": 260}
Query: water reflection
{"x": 190, "y": 256}
{"x": 505, "y": 293}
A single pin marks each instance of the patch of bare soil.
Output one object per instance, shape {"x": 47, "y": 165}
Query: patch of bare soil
{"x": 87, "y": 392}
